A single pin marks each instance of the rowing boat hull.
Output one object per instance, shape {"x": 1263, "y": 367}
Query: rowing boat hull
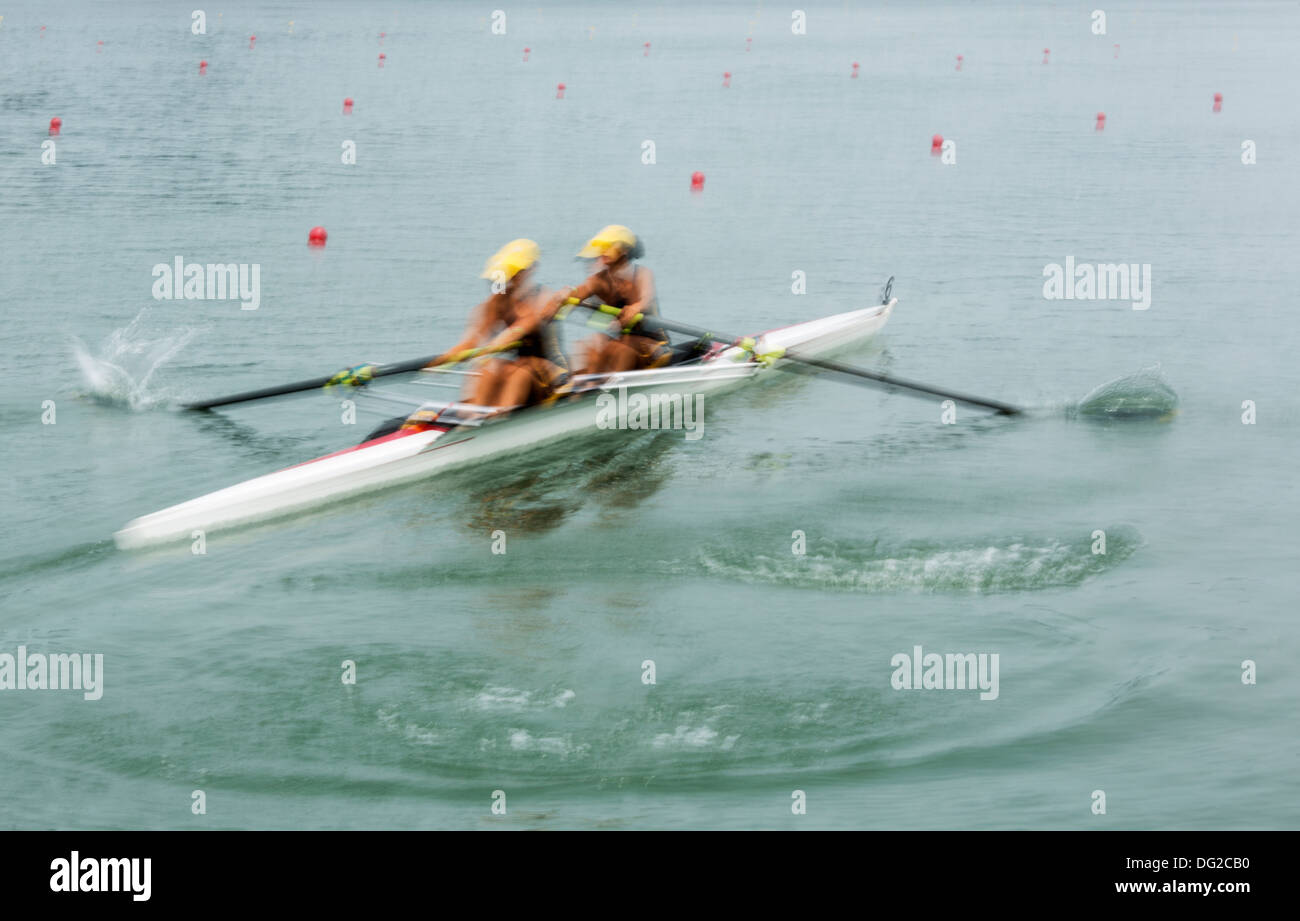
{"x": 413, "y": 455}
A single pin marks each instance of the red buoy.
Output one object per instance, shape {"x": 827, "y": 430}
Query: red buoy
{"x": 647, "y": 50}
{"x": 1218, "y": 102}
{"x": 1101, "y": 121}
{"x": 1046, "y": 52}
{"x": 316, "y": 236}
{"x": 203, "y": 67}
{"x": 559, "y": 91}
{"x": 99, "y": 47}
{"x": 1117, "y": 49}
{"x": 748, "y": 43}
{"x": 527, "y": 51}
{"x": 55, "y": 124}
{"x": 936, "y": 145}
{"x": 251, "y": 39}
{"x": 854, "y": 75}
{"x": 726, "y": 78}
{"x": 382, "y": 57}
{"x": 959, "y": 60}
{"x": 347, "y": 106}
{"x": 697, "y": 181}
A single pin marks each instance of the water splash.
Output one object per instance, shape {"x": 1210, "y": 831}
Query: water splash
{"x": 1145, "y": 394}
{"x": 120, "y": 371}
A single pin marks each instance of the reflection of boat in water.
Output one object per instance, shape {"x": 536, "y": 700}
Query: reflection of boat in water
{"x": 454, "y": 435}
{"x": 615, "y": 479}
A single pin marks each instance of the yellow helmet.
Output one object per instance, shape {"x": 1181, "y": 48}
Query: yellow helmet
{"x": 513, "y": 258}
{"x": 607, "y": 239}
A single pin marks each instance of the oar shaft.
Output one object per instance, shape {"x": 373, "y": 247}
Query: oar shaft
{"x": 401, "y": 367}
{"x": 315, "y": 383}
{"x": 996, "y": 405}
{"x": 658, "y": 323}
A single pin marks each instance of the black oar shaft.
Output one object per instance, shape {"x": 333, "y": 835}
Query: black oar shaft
{"x": 996, "y": 405}
{"x": 317, "y": 383}
{"x": 658, "y": 323}
{"x": 342, "y": 379}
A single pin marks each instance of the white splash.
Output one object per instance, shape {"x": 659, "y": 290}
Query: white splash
{"x": 1145, "y": 393}
{"x": 119, "y": 373}
{"x": 502, "y": 698}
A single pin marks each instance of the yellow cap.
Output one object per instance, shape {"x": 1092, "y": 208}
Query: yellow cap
{"x": 611, "y": 236}
{"x": 513, "y": 258}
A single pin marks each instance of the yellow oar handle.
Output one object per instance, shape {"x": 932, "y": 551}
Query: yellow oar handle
{"x": 611, "y": 311}
{"x": 749, "y": 344}
{"x": 467, "y": 354}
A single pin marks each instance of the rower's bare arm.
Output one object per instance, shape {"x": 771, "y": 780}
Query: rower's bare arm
{"x": 552, "y": 303}
{"x": 645, "y": 293}
{"x": 582, "y": 291}
{"x": 527, "y": 320}
{"x": 594, "y": 287}
{"x": 482, "y": 319}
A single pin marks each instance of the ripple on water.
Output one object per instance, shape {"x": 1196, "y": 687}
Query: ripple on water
{"x": 1003, "y": 564}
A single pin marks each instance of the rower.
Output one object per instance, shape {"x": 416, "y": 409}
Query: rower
{"x": 620, "y": 283}
{"x": 519, "y": 312}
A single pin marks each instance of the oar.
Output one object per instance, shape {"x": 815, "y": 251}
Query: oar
{"x": 357, "y": 376}
{"x": 748, "y": 344}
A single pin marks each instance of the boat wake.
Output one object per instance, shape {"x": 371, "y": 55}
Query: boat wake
{"x": 1145, "y": 394}
{"x": 119, "y": 373}
{"x": 1007, "y": 565}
